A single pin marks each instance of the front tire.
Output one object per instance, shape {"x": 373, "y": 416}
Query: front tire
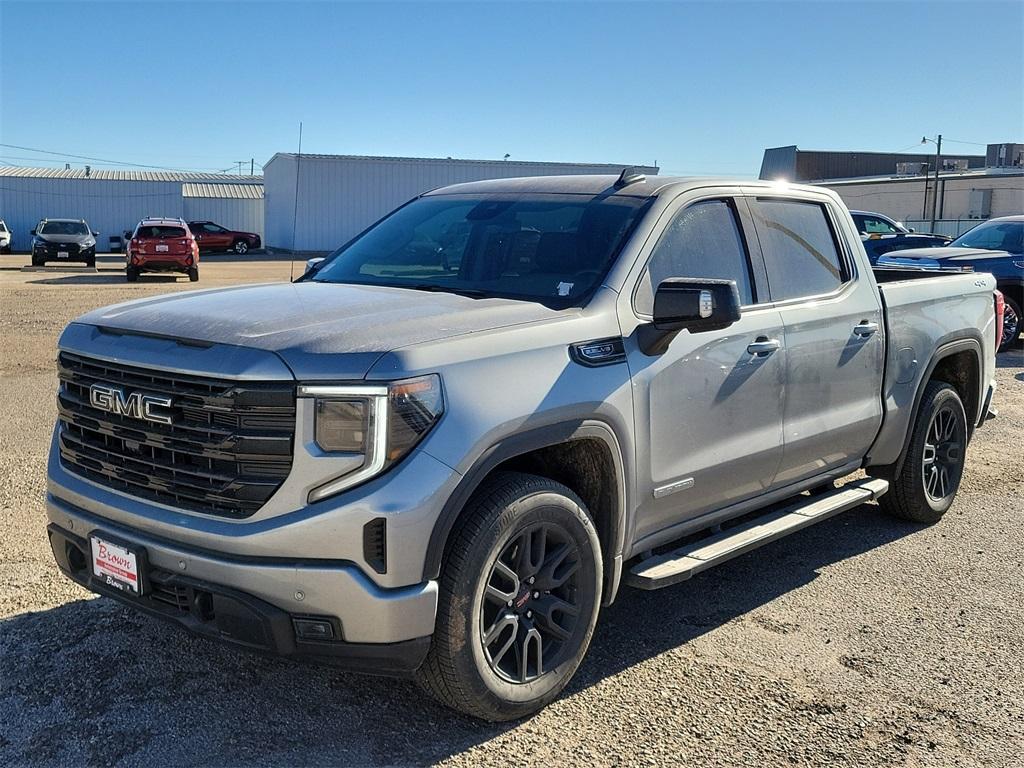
{"x": 933, "y": 466}
{"x": 519, "y": 597}
{"x": 241, "y": 247}
{"x": 1011, "y": 324}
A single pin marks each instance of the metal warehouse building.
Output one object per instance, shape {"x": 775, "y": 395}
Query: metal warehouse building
{"x": 113, "y": 201}
{"x": 331, "y": 198}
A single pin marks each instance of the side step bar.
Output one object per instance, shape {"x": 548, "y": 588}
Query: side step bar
{"x": 672, "y": 567}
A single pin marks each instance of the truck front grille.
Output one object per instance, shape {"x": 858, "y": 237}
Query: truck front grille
{"x": 227, "y": 449}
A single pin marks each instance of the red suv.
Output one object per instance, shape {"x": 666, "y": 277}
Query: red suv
{"x": 214, "y": 237}
{"x": 162, "y": 245}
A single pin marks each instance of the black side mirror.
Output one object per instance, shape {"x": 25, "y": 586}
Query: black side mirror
{"x": 33, "y": 233}
{"x": 695, "y": 305}
{"x": 127, "y": 234}
{"x": 95, "y": 233}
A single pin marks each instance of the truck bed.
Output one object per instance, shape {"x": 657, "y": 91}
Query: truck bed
{"x": 924, "y": 311}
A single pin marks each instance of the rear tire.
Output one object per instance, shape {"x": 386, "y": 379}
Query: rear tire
{"x": 934, "y": 463}
{"x": 193, "y": 275}
{"x": 131, "y": 274}
{"x": 519, "y": 596}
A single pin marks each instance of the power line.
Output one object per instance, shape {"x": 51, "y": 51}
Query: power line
{"x": 99, "y": 160}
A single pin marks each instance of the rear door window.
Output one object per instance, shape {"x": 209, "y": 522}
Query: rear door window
{"x": 799, "y": 247}
{"x": 702, "y": 241}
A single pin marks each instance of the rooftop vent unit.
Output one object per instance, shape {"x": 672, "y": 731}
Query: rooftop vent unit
{"x": 911, "y": 169}
{"x": 954, "y": 164}
{"x": 1004, "y": 156}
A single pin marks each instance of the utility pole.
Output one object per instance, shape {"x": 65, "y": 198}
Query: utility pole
{"x": 938, "y": 165}
{"x": 252, "y": 166}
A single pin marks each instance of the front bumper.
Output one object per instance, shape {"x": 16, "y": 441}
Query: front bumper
{"x": 254, "y": 600}
{"x": 234, "y": 616}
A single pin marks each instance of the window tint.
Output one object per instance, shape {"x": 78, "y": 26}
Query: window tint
{"x": 550, "y": 248}
{"x": 64, "y": 228}
{"x": 159, "y": 231}
{"x": 995, "y": 236}
{"x": 703, "y": 240}
{"x": 799, "y": 250}
{"x": 873, "y": 225}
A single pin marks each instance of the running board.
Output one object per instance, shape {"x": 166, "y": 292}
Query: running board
{"x": 672, "y": 567}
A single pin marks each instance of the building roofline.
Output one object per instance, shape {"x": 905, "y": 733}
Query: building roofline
{"x": 651, "y": 169}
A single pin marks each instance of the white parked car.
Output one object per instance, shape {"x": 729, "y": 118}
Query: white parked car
{"x": 5, "y": 238}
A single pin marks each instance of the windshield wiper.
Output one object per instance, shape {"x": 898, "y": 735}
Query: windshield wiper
{"x": 472, "y": 293}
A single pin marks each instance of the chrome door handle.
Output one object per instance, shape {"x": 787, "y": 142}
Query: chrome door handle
{"x": 865, "y": 328}
{"x": 763, "y": 346}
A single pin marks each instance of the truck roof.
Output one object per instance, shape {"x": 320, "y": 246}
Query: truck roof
{"x": 596, "y": 184}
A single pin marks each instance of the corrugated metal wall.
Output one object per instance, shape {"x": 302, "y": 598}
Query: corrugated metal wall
{"x": 905, "y": 199}
{"x": 240, "y": 214}
{"x": 109, "y": 206}
{"x": 341, "y": 196}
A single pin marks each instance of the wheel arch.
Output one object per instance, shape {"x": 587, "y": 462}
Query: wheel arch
{"x": 586, "y": 456}
{"x": 958, "y": 363}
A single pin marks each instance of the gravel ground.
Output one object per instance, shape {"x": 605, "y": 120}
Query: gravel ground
{"x": 862, "y": 641}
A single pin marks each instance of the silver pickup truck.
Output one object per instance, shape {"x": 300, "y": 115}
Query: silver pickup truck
{"x": 446, "y": 446}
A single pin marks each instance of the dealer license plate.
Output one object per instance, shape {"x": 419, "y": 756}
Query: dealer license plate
{"x": 115, "y": 565}
{"x": 162, "y": 249}
{"x": 62, "y": 254}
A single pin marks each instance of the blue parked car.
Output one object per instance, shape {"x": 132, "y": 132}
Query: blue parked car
{"x": 996, "y": 246}
{"x": 882, "y": 235}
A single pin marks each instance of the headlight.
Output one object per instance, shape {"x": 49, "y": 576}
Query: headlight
{"x": 381, "y": 424}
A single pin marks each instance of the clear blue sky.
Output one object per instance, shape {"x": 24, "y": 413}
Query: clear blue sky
{"x": 697, "y": 87}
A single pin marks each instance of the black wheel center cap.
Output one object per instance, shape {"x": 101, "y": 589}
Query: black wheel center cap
{"x": 521, "y": 601}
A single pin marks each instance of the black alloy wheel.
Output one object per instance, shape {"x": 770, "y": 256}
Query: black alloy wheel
{"x": 518, "y": 598}
{"x": 943, "y": 457}
{"x": 531, "y": 603}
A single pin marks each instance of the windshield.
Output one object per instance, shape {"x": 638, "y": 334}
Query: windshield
{"x": 64, "y": 228}
{"x": 554, "y": 249}
{"x": 994, "y": 236}
{"x": 160, "y": 231}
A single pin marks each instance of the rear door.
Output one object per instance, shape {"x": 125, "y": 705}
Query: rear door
{"x": 834, "y": 333}
{"x": 708, "y": 411}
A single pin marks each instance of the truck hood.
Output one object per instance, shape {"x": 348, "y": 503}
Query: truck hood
{"x": 320, "y": 330}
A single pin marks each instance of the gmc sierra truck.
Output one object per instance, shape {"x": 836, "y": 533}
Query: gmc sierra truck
{"x": 442, "y": 449}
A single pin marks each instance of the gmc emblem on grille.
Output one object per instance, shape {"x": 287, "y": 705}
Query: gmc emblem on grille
{"x": 137, "y": 405}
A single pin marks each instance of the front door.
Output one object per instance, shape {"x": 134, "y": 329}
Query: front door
{"x": 708, "y": 411}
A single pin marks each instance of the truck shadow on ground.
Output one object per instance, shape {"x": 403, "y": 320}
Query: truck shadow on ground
{"x": 91, "y": 681}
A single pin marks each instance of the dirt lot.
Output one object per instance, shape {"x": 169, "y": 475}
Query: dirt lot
{"x": 862, "y": 641}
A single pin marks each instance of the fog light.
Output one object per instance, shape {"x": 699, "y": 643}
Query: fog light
{"x": 313, "y": 629}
